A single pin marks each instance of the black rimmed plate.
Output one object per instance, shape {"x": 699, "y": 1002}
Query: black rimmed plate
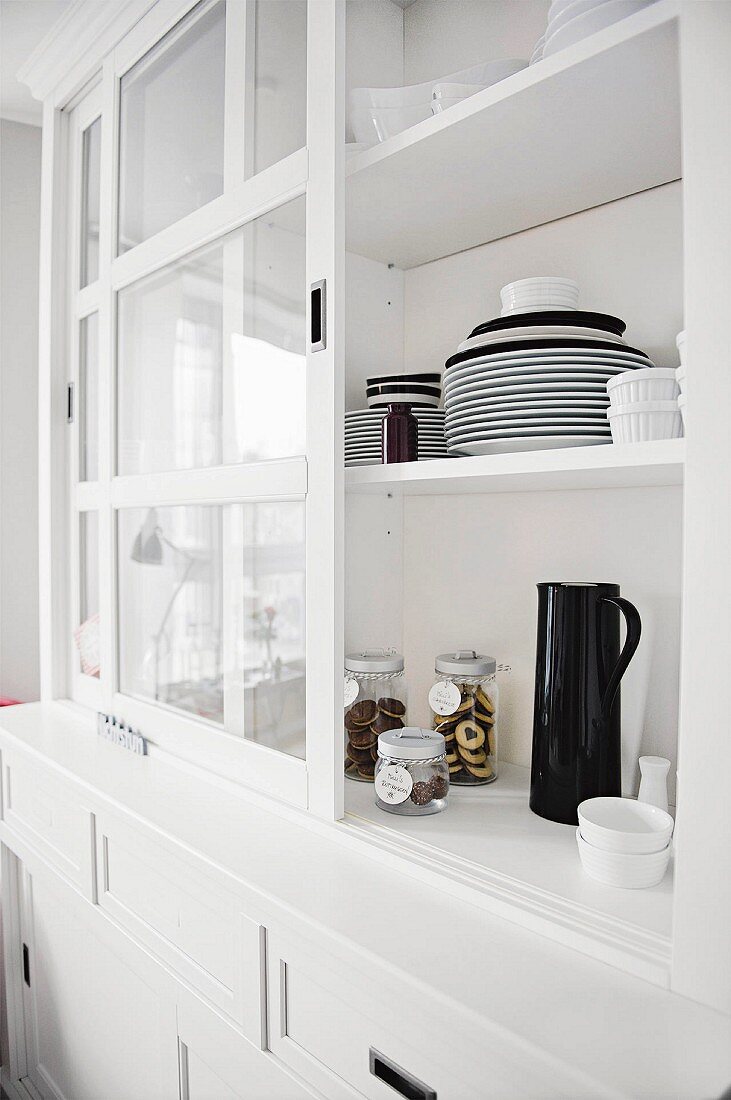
{"x": 578, "y": 318}
{"x": 537, "y": 344}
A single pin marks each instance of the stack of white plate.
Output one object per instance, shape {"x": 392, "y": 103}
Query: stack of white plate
{"x": 571, "y": 20}
{"x": 624, "y": 843}
{"x": 535, "y": 381}
{"x": 363, "y": 435}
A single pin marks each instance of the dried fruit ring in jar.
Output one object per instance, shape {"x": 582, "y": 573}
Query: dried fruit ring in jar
{"x": 470, "y": 735}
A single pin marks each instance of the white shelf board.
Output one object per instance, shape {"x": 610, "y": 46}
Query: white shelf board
{"x": 595, "y": 122}
{"x": 610, "y": 466}
{"x": 526, "y": 868}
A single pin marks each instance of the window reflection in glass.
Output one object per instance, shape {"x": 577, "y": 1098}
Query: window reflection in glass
{"x": 182, "y": 570}
{"x": 171, "y": 128}
{"x": 280, "y": 82}
{"x": 91, "y": 147}
{"x": 89, "y": 398}
{"x": 212, "y": 352}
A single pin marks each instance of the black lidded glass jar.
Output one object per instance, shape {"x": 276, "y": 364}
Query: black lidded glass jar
{"x": 399, "y": 434}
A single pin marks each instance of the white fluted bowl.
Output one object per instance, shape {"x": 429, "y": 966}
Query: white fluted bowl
{"x": 643, "y": 421}
{"x": 645, "y": 384}
{"x": 624, "y": 825}
{"x": 626, "y": 871}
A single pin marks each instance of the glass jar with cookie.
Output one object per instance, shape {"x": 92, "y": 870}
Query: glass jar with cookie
{"x": 464, "y": 703}
{"x": 375, "y": 703}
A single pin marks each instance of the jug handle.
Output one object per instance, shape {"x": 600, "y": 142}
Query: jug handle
{"x": 634, "y": 629}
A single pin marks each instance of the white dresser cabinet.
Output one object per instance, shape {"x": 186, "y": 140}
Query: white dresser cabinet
{"x": 228, "y": 916}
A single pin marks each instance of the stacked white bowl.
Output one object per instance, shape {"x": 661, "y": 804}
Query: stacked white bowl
{"x": 377, "y": 114}
{"x": 571, "y": 20}
{"x": 624, "y": 843}
{"x": 680, "y": 373}
{"x": 644, "y": 406}
{"x": 542, "y": 292}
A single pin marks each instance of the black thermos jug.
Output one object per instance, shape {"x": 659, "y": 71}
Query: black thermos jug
{"x": 576, "y": 716}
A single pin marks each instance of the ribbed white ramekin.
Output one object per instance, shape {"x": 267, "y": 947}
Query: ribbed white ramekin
{"x": 645, "y": 384}
{"x": 645, "y": 420}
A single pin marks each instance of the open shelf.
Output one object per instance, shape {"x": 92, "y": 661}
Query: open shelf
{"x": 506, "y": 159}
{"x": 525, "y": 868}
{"x": 612, "y": 466}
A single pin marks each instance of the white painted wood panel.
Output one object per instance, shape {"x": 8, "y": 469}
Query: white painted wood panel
{"x": 100, "y": 1026}
{"x": 171, "y": 906}
{"x": 43, "y": 812}
{"x": 217, "y": 1063}
{"x": 703, "y": 895}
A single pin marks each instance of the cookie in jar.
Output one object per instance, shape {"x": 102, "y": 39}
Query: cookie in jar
{"x": 375, "y": 703}
{"x": 464, "y": 702}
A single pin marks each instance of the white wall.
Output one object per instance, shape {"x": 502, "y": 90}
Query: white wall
{"x": 444, "y": 36}
{"x": 20, "y": 168}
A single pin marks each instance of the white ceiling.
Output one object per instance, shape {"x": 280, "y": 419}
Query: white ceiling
{"x": 23, "y": 25}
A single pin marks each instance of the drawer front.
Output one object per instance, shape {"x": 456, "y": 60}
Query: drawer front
{"x": 354, "y": 1026}
{"x": 168, "y": 900}
{"x": 324, "y": 1021}
{"x": 217, "y": 1063}
{"x": 49, "y": 815}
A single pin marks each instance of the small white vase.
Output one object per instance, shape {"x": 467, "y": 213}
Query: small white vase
{"x": 654, "y": 782}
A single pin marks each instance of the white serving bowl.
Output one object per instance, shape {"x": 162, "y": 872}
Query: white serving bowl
{"x": 628, "y": 871}
{"x": 680, "y": 345}
{"x": 439, "y": 105}
{"x": 624, "y": 825}
{"x": 645, "y": 384}
{"x": 376, "y": 124}
{"x": 645, "y": 420}
{"x": 485, "y": 74}
{"x": 543, "y": 304}
{"x": 452, "y": 90}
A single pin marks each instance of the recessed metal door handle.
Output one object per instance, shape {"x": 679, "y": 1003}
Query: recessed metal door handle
{"x": 400, "y": 1080}
{"x": 318, "y": 315}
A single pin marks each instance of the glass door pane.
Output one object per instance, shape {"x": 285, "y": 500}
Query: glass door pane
{"x": 276, "y": 124}
{"x": 171, "y": 128}
{"x": 91, "y": 147}
{"x": 89, "y": 398}
{"x": 86, "y": 634}
{"x": 211, "y": 362}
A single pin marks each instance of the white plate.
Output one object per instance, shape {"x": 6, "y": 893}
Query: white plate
{"x": 565, "y": 396}
{"x": 586, "y": 352}
{"x": 552, "y": 374}
{"x": 378, "y": 414}
{"x": 538, "y": 443}
{"x": 523, "y": 427}
{"x": 571, "y": 331}
{"x": 486, "y": 374}
{"x": 552, "y": 412}
{"x": 509, "y": 362}
{"x": 375, "y": 437}
{"x": 589, "y": 22}
{"x": 488, "y": 386}
{"x": 377, "y": 450}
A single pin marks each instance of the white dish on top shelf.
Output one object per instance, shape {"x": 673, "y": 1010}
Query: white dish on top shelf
{"x": 590, "y": 22}
{"x": 642, "y": 421}
{"x": 485, "y": 74}
{"x": 377, "y": 124}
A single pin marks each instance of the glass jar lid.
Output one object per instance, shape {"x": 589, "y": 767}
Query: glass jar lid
{"x": 374, "y": 660}
{"x": 465, "y": 662}
{"x": 411, "y": 743}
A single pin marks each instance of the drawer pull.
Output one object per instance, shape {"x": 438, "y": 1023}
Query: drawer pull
{"x": 405, "y": 1084}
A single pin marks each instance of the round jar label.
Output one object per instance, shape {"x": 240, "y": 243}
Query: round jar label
{"x": 393, "y": 784}
{"x": 351, "y": 689}
{"x": 444, "y": 697}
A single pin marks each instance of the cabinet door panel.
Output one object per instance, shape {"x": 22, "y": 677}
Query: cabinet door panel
{"x": 96, "y": 1026}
